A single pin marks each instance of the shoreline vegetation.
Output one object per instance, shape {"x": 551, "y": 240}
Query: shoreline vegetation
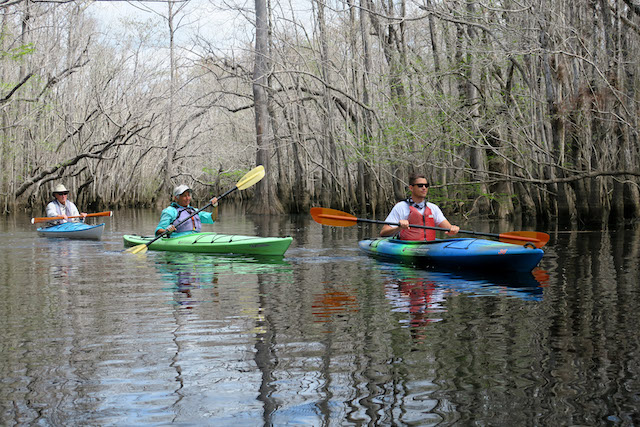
{"x": 526, "y": 113}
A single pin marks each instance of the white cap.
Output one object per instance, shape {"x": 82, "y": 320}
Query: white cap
{"x": 60, "y": 188}
{"x": 180, "y": 189}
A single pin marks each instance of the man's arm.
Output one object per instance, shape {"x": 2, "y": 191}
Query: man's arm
{"x": 51, "y": 209}
{"x": 453, "y": 229}
{"x": 210, "y": 217}
{"x": 166, "y": 219}
{"x": 396, "y": 215}
{"x": 75, "y": 212}
{"x": 73, "y": 209}
{"x": 207, "y": 217}
{"x": 392, "y": 230}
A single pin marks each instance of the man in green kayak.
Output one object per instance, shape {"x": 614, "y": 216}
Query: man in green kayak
{"x": 416, "y": 210}
{"x": 180, "y": 209}
{"x": 61, "y": 206}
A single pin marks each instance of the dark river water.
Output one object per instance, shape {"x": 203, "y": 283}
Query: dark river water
{"x": 325, "y": 336}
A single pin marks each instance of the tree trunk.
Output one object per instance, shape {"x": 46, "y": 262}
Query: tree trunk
{"x": 330, "y": 193}
{"x": 367, "y": 193}
{"x": 171, "y": 143}
{"x": 391, "y": 45}
{"x": 266, "y": 201}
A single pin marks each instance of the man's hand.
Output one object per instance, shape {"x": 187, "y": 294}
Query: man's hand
{"x": 453, "y": 230}
{"x": 170, "y": 229}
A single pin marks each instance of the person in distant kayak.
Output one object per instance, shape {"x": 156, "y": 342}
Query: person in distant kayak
{"x": 62, "y": 206}
{"x": 416, "y": 210}
{"x": 180, "y": 209}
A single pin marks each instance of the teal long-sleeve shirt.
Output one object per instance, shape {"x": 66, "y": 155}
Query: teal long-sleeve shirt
{"x": 170, "y": 214}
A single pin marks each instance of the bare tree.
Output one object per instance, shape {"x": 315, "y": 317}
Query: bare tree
{"x": 266, "y": 200}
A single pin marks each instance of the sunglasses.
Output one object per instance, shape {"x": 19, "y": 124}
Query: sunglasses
{"x": 63, "y": 194}
{"x": 421, "y": 185}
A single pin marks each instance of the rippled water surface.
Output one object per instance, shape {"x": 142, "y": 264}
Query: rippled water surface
{"x": 90, "y": 335}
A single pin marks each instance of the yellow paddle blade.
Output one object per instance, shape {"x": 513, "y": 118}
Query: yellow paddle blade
{"x": 252, "y": 177}
{"x": 139, "y": 249}
{"x": 536, "y": 238}
{"x": 326, "y": 216}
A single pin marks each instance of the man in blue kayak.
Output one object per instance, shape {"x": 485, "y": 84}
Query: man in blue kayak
{"x": 180, "y": 209}
{"x": 416, "y": 210}
{"x": 62, "y": 206}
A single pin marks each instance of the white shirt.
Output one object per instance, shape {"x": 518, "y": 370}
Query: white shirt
{"x": 401, "y": 211}
{"x": 55, "y": 208}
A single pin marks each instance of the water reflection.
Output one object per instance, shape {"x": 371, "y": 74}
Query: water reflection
{"x": 417, "y": 295}
{"x": 522, "y": 286}
{"x": 193, "y": 277}
{"x": 63, "y": 256}
{"x": 331, "y": 304}
{"x": 325, "y": 336}
{"x": 421, "y": 294}
{"x": 218, "y": 316}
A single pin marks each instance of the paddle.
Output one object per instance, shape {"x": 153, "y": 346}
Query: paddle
{"x": 252, "y": 177}
{"x": 338, "y": 218}
{"x": 53, "y": 218}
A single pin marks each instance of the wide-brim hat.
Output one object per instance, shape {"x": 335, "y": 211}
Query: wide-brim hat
{"x": 180, "y": 189}
{"x": 59, "y": 188}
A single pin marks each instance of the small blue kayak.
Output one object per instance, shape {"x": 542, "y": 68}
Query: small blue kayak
{"x": 73, "y": 230}
{"x": 467, "y": 254}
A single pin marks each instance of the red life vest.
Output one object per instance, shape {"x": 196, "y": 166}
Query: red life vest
{"x": 419, "y": 219}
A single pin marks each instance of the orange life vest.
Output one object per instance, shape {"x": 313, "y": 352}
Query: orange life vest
{"x": 416, "y": 218}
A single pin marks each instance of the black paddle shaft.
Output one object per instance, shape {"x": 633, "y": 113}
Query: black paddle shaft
{"x": 373, "y": 221}
{"x": 477, "y": 233}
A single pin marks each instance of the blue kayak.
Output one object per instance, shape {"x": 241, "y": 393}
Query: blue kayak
{"x": 467, "y": 254}
{"x": 73, "y": 230}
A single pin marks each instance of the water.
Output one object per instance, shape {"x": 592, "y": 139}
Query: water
{"x": 90, "y": 335}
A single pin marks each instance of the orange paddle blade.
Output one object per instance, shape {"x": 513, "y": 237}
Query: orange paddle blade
{"x": 536, "y": 238}
{"x": 53, "y": 218}
{"x": 326, "y": 216}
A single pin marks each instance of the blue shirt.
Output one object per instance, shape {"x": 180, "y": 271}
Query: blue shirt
{"x": 171, "y": 213}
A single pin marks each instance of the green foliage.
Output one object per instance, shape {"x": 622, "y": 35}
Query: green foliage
{"x": 452, "y": 199}
{"x": 19, "y": 52}
{"x": 208, "y": 171}
{"x": 440, "y": 197}
{"x": 227, "y": 179}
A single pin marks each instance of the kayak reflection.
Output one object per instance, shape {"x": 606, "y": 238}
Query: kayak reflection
{"x": 190, "y": 273}
{"x": 423, "y": 293}
{"x": 523, "y": 286}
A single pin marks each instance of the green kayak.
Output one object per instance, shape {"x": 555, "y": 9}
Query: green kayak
{"x": 214, "y": 243}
